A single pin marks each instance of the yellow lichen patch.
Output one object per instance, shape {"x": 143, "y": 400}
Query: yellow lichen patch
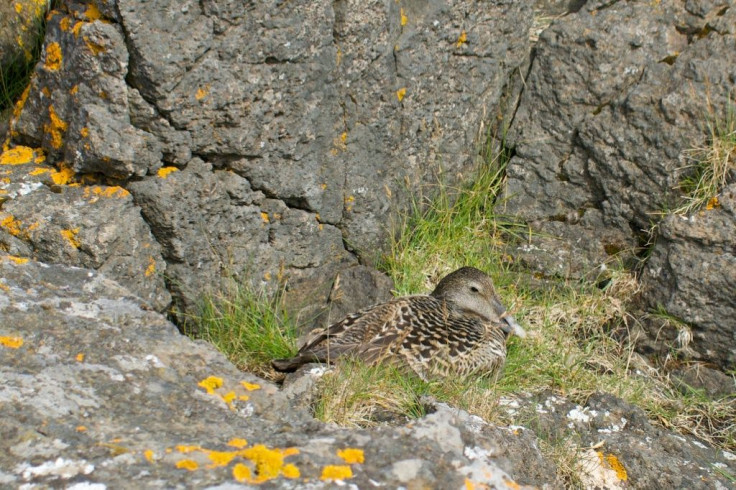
{"x": 20, "y": 155}
{"x": 64, "y": 23}
{"x": 469, "y": 485}
{"x": 618, "y": 467}
{"x": 80, "y": 357}
{"x": 237, "y": 442}
{"x": 93, "y": 46}
{"x": 164, "y": 172}
{"x": 250, "y": 386}
{"x": 713, "y": 203}
{"x": 71, "y": 236}
{"x": 351, "y": 455}
{"x": 202, "y": 92}
{"x": 220, "y": 458}
{"x": 511, "y": 484}
{"x": 92, "y": 12}
{"x": 151, "y": 269}
{"x": 56, "y": 127}
{"x": 84, "y": 132}
{"x": 77, "y": 27}
{"x": 462, "y": 39}
{"x": 17, "y": 260}
{"x": 46, "y": 92}
{"x": 185, "y": 448}
{"x": 401, "y": 93}
{"x": 53, "y": 57}
{"x": 11, "y": 342}
{"x": 81, "y": 428}
{"x": 264, "y": 217}
{"x": 241, "y": 472}
{"x": 18, "y": 8}
{"x": 21, "y": 102}
{"x": 290, "y": 471}
{"x": 404, "y": 18}
{"x": 74, "y": 90}
{"x": 187, "y": 464}
{"x": 229, "y": 397}
{"x": 148, "y": 454}
{"x": 210, "y": 384}
{"x": 336, "y": 472}
{"x": 63, "y": 176}
{"x": 269, "y": 462}
{"x": 12, "y": 226}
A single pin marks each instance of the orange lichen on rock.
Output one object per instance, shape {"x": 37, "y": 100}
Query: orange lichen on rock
{"x": 17, "y": 260}
{"x": 164, "y": 172}
{"x": 351, "y": 455}
{"x": 11, "y": 342}
{"x": 404, "y": 18}
{"x": 20, "y": 155}
{"x": 53, "y": 57}
{"x": 64, "y": 23}
{"x": 269, "y": 462}
{"x": 13, "y": 226}
{"x": 237, "y": 442}
{"x": 613, "y": 463}
{"x": 151, "y": 269}
{"x": 79, "y": 357}
{"x": 462, "y": 39}
{"x": 93, "y": 46}
{"x": 187, "y": 464}
{"x": 149, "y": 455}
{"x": 336, "y": 472}
{"x": 71, "y": 237}
{"x": 713, "y": 203}
{"x": 202, "y": 92}
{"x": 56, "y": 127}
{"x": 210, "y": 384}
{"x": 63, "y": 176}
{"x": 241, "y": 472}
{"x": 250, "y": 386}
{"x": 92, "y": 13}
{"x": 401, "y": 93}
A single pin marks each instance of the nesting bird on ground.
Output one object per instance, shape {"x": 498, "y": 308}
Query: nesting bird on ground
{"x": 459, "y": 329}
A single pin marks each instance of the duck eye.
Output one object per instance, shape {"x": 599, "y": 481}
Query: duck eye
{"x": 474, "y": 289}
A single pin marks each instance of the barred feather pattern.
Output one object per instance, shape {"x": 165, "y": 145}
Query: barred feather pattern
{"x": 458, "y": 330}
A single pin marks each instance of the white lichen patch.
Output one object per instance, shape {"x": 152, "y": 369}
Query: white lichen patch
{"x": 580, "y": 414}
{"x": 729, "y": 456}
{"x": 700, "y": 444}
{"x": 407, "y": 469}
{"x": 595, "y": 475}
{"x": 85, "y": 485}
{"x": 615, "y": 427}
{"x": 59, "y": 468}
{"x": 476, "y": 452}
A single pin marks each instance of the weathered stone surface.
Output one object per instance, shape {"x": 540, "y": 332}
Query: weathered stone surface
{"x": 110, "y": 393}
{"x": 691, "y": 275}
{"x": 20, "y": 26}
{"x": 77, "y": 107}
{"x": 94, "y": 226}
{"x": 615, "y": 95}
{"x": 617, "y": 446}
{"x": 333, "y": 114}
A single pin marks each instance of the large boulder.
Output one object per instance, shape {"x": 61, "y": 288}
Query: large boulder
{"x": 268, "y": 143}
{"x": 98, "y": 390}
{"x": 616, "y": 97}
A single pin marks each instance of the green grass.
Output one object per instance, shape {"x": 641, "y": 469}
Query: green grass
{"x": 250, "y": 327}
{"x": 713, "y": 164}
{"x": 570, "y": 348}
{"x": 16, "y": 74}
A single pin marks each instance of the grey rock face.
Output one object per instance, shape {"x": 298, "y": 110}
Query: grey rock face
{"x": 617, "y": 447}
{"x": 94, "y": 226}
{"x": 691, "y": 275}
{"x": 614, "y": 96}
{"x": 19, "y": 25}
{"x": 306, "y": 128}
{"x": 110, "y": 393}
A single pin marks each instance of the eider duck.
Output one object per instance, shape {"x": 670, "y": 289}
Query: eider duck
{"x": 460, "y": 329}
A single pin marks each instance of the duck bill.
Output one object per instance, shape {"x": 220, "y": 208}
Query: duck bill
{"x": 511, "y": 327}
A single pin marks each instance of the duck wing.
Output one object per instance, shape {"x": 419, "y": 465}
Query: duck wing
{"x": 368, "y": 335}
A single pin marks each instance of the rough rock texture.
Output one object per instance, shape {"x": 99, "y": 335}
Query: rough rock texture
{"x": 93, "y": 226}
{"x": 615, "y": 96}
{"x": 20, "y": 22}
{"x": 298, "y": 132}
{"x": 617, "y": 446}
{"x": 110, "y": 393}
{"x": 692, "y": 275}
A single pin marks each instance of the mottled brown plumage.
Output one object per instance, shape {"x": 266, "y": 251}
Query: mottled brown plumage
{"x": 458, "y": 330}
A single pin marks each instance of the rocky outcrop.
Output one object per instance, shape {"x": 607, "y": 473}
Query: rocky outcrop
{"x": 615, "y": 97}
{"x": 110, "y": 393}
{"x": 271, "y": 143}
{"x": 20, "y": 27}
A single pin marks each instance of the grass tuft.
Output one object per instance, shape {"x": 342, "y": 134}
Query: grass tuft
{"x": 249, "y": 326}
{"x": 714, "y": 164}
